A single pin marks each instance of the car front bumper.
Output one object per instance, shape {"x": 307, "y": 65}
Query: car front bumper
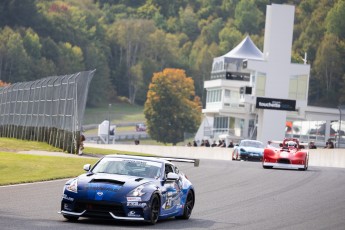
{"x": 106, "y": 210}
{"x": 281, "y": 165}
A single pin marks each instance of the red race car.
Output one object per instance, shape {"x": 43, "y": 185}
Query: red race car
{"x": 290, "y": 155}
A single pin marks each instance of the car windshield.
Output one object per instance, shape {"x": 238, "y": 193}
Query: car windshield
{"x": 130, "y": 167}
{"x": 255, "y": 144}
{"x": 291, "y": 144}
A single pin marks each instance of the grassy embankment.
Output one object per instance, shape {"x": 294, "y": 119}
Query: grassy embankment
{"x": 124, "y": 116}
{"x": 23, "y": 168}
{"x": 119, "y": 114}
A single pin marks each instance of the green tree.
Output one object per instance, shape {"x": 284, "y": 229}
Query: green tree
{"x": 132, "y": 37}
{"x": 229, "y": 37}
{"x": 335, "y": 20}
{"x": 189, "y": 22}
{"x": 328, "y": 69}
{"x": 14, "y": 60}
{"x": 248, "y": 18}
{"x": 101, "y": 88}
{"x": 171, "y": 108}
{"x": 32, "y": 44}
{"x": 71, "y": 59}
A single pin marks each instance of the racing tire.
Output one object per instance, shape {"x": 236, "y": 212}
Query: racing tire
{"x": 154, "y": 209}
{"x": 265, "y": 166}
{"x": 305, "y": 165}
{"x": 235, "y": 157}
{"x": 188, "y": 206}
{"x": 71, "y": 218}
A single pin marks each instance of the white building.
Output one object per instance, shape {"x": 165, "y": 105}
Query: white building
{"x": 262, "y": 95}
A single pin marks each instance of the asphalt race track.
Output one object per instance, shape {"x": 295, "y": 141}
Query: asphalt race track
{"x": 230, "y": 195}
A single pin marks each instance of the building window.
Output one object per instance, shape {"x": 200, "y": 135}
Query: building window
{"x": 227, "y": 93}
{"x": 214, "y": 96}
{"x": 260, "y": 85}
{"x": 298, "y": 87}
{"x": 221, "y": 123}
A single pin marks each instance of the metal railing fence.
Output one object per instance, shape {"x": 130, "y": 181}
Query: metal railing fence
{"x": 48, "y": 110}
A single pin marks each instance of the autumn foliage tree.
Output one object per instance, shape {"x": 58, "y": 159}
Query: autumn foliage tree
{"x": 171, "y": 108}
{"x": 3, "y": 84}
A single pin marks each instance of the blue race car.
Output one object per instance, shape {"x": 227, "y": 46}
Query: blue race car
{"x": 248, "y": 150}
{"x": 130, "y": 188}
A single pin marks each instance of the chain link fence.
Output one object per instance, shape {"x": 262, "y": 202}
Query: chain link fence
{"x": 47, "y": 110}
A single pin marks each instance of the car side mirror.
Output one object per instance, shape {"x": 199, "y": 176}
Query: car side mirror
{"x": 87, "y": 167}
{"x": 172, "y": 176}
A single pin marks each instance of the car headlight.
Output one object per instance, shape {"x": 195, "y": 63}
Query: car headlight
{"x": 72, "y": 186}
{"x": 242, "y": 150}
{"x": 138, "y": 191}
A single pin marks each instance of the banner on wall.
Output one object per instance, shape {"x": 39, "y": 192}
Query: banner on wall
{"x": 275, "y": 104}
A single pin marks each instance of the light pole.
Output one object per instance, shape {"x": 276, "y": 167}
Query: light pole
{"x": 108, "y": 122}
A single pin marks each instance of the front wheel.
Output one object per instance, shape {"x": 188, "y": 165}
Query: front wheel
{"x": 154, "y": 213}
{"x": 188, "y": 206}
{"x": 235, "y": 156}
{"x": 267, "y": 167}
{"x": 305, "y": 165}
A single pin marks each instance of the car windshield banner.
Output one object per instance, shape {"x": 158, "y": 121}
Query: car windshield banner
{"x": 276, "y": 104}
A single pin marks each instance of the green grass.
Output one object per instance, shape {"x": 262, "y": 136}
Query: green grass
{"x": 23, "y": 168}
{"x": 15, "y": 145}
{"x": 118, "y": 113}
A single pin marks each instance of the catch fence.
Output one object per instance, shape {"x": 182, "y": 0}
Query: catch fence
{"x": 47, "y": 110}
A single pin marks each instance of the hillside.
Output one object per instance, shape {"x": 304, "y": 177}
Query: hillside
{"x": 128, "y": 41}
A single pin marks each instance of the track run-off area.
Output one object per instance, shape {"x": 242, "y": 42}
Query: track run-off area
{"x": 229, "y": 195}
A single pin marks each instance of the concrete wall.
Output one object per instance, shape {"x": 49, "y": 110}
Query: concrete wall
{"x": 327, "y": 157}
{"x": 317, "y": 157}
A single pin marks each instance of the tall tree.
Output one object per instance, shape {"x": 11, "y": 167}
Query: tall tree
{"x": 335, "y": 20}
{"x": 132, "y": 36}
{"x": 189, "y": 22}
{"x": 171, "y": 108}
{"x": 14, "y": 60}
{"x": 328, "y": 69}
{"x": 248, "y": 18}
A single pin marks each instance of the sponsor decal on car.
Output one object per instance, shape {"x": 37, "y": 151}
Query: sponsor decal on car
{"x": 133, "y": 199}
{"x": 133, "y": 214}
{"x": 110, "y": 188}
{"x": 67, "y": 207}
{"x": 136, "y": 204}
{"x": 64, "y": 196}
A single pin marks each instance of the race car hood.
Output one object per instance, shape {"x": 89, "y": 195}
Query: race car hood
{"x": 285, "y": 154}
{"x": 102, "y": 186}
{"x": 252, "y": 149}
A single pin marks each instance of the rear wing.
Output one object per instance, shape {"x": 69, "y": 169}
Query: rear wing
{"x": 196, "y": 162}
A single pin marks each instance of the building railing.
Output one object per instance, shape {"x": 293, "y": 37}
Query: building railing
{"x": 215, "y": 132}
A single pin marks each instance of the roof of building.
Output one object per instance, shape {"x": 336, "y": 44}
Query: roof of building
{"x": 245, "y": 50}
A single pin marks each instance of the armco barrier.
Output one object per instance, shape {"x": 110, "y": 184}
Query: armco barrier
{"x": 317, "y": 157}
